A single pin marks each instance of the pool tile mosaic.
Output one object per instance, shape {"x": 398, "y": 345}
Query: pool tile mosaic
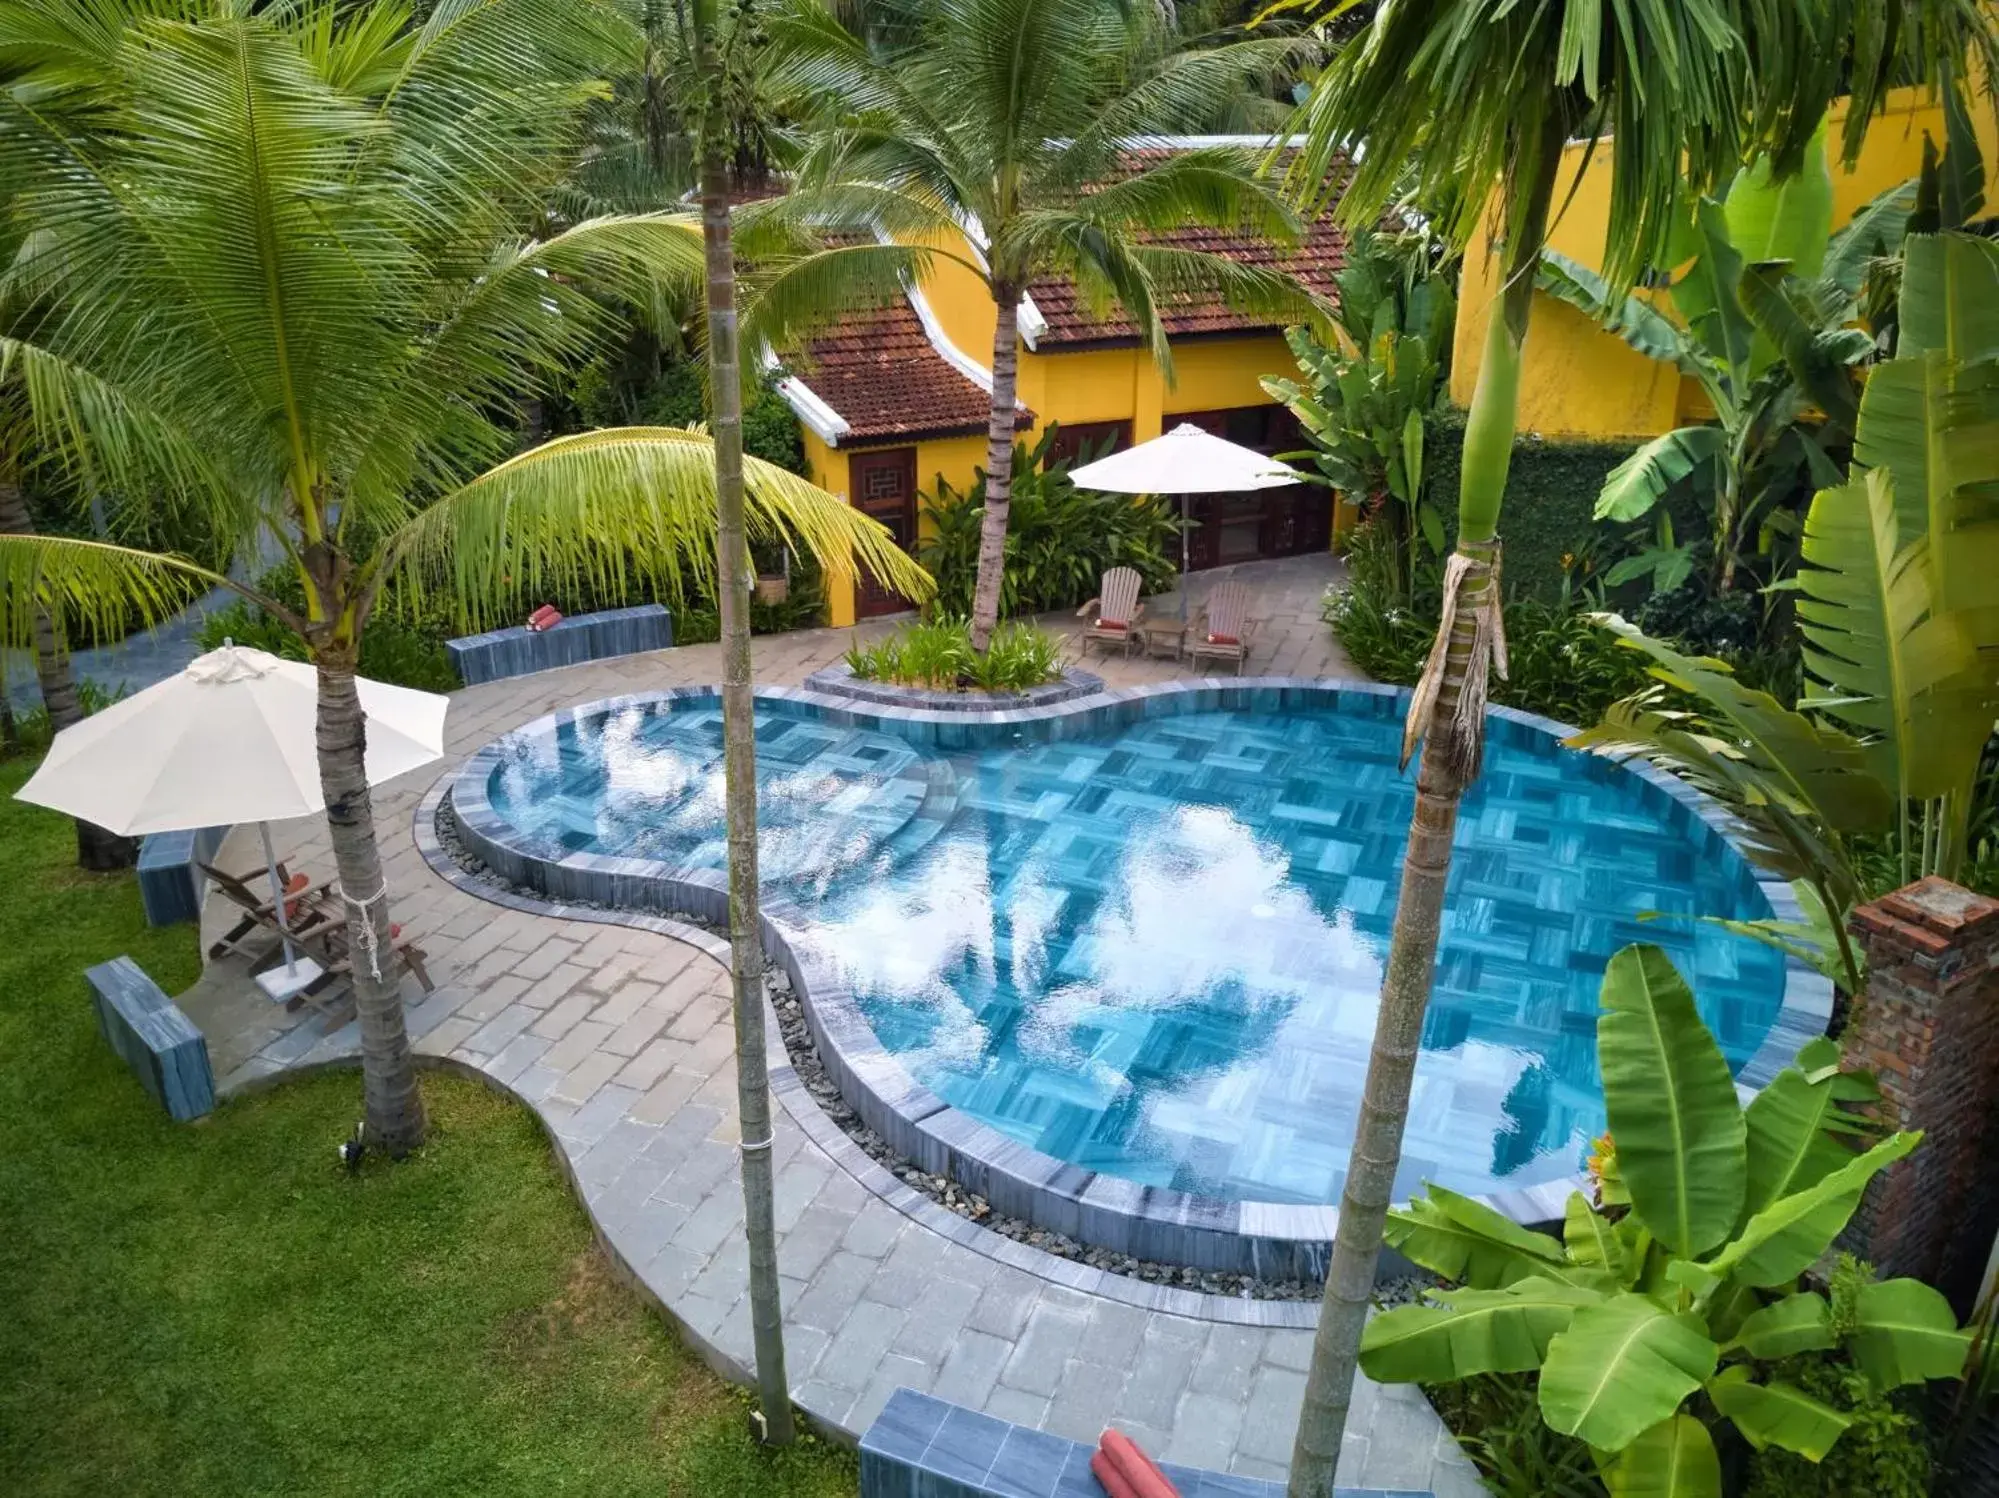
{"x": 1148, "y": 942}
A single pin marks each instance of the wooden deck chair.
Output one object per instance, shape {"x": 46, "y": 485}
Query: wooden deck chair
{"x": 1114, "y": 613}
{"x": 310, "y": 907}
{"x": 1222, "y": 630}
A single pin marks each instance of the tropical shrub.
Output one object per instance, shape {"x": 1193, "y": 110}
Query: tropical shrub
{"x": 1895, "y": 605}
{"x": 1496, "y": 1418}
{"x": 1669, "y": 1304}
{"x": 1060, "y": 540}
{"x": 1551, "y": 485}
{"x": 642, "y": 386}
{"x": 1560, "y": 664}
{"x": 938, "y": 654}
{"x": 1884, "y": 1452}
{"x": 1365, "y": 400}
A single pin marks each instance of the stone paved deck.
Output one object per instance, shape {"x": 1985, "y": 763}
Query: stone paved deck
{"x": 620, "y": 1038}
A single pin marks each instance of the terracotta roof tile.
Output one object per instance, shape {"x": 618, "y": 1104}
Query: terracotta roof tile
{"x": 1314, "y": 261}
{"x": 879, "y": 370}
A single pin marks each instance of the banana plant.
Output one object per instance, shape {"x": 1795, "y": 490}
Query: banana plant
{"x": 1363, "y": 402}
{"x": 1900, "y": 627}
{"x": 1762, "y": 306}
{"x": 1684, "y": 1278}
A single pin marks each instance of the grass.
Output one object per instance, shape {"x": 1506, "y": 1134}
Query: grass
{"x": 218, "y": 1308}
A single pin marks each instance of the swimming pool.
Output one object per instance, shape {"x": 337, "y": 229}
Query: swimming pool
{"x": 1144, "y": 939}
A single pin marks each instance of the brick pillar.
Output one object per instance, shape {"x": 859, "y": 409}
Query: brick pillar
{"x": 1928, "y": 1028}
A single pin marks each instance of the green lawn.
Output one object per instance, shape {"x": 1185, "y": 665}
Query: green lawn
{"x": 218, "y": 1308}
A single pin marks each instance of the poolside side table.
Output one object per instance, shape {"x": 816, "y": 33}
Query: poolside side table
{"x": 1164, "y": 639}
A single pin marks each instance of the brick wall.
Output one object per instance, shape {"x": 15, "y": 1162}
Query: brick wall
{"x": 1928, "y": 1027}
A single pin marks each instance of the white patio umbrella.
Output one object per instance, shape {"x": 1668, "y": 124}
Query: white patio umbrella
{"x": 1186, "y": 460}
{"x": 229, "y": 739}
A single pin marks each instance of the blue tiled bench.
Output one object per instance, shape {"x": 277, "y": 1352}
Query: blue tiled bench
{"x": 169, "y": 882}
{"x": 923, "y": 1447}
{"x": 501, "y": 653}
{"x": 156, "y": 1040}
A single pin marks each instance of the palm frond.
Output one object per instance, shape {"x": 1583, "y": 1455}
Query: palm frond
{"x": 1216, "y": 186}
{"x": 786, "y": 301}
{"x": 105, "y": 438}
{"x": 1678, "y": 96}
{"x": 619, "y": 505}
{"x": 96, "y": 587}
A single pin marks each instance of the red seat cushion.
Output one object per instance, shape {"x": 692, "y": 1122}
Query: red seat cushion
{"x": 1224, "y": 640}
{"x": 1141, "y": 1475}
{"x": 1117, "y": 624}
{"x": 1109, "y": 1478}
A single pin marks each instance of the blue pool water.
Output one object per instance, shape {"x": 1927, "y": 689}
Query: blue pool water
{"x": 1155, "y": 951}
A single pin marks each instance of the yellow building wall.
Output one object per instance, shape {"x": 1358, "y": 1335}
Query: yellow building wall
{"x": 1577, "y": 380}
{"x": 1066, "y": 387}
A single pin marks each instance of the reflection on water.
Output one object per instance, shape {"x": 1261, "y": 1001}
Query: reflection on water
{"x": 1156, "y": 952}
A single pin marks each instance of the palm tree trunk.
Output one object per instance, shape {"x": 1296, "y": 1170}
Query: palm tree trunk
{"x": 746, "y": 954}
{"x": 10, "y": 726}
{"x": 999, "y": 467}
{"x": 394, "y": 1106}
{"x": 1452, "y": 740}
{"x": 96, "y": 849}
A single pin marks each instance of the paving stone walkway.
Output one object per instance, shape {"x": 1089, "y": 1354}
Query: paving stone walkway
{"x": 619, "y": 1036}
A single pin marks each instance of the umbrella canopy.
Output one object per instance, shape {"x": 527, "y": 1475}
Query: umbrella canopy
{"x": 230, "y": 739}
{"x": 1186, "y": 460}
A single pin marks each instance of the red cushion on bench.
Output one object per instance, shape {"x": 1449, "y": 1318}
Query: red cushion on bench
{"x": 1109, "y": 1478}
{"x": 1116, "y": 624}
{"x": 1140, "y": 1473}
{"x": 1223, "y": 640}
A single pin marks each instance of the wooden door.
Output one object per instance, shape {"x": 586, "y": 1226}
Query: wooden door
{"x": 884, "y": 489}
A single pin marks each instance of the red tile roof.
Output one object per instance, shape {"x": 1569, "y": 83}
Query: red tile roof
{"x": 1314, "y": 262}
{"x": 879, "y": 370}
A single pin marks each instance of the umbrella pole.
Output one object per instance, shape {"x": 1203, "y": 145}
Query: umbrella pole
{"x": 278, "y": 900}
{"x": 1186, "y": 523}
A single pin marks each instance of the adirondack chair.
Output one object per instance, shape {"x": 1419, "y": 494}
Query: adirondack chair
{"x": 1114, "y": 613}
{"x": 1222, "y": 630}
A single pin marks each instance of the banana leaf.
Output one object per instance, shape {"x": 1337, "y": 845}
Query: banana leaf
{"x": 1469, "y": 1243}
{"x": 1904, "y": 1332}
{"x": 1468, "y": 1332}
{"x": 1883, "y": 655}
{"x": 1777, "y": 1414}
{"x": 1674, "y": 1459}
{"x": 1787, "y": 1237}
{"x": 1632, "y": 319}
{"x": 1619, "y": 1368}
{"x": 1950, "y": 297}
{"x": 1797, "y": 1323}
{"x": 1797, "y": 1128}
{"x": 1633, "y": 487}
{"x": 1810, "y": 336}
{"x": 1788, "y": 216}
{"x": 1671, "y": 1103}
{"x": 1873, "y": 233}
{"x": 1592, "y": 1239}
{"x": 1706, "y": 295}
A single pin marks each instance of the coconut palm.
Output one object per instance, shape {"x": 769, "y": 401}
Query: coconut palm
{"x": 1011, "y": 119}
{"x": 302, "y": 243}
{"x": 1473, "y": 93}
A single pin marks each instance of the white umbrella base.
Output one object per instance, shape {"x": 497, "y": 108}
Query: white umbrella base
{"x": 284, "y": 983}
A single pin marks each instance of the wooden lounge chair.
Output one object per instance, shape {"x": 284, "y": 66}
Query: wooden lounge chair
{"x": 315, "y": 923}
{"x": 1222, "y": 630}
{"x": 309, "y": 908}
{"x": 1114, "y": 613}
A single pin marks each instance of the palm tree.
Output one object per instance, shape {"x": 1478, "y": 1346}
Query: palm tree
{"x": 303, "y": 244}
{"x": 1012, "y": 119}
{"x": 1473, "y": 94}
{"x": 718, "y": 131}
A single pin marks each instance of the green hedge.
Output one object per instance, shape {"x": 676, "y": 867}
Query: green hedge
{"x": 1551, "y": 492}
